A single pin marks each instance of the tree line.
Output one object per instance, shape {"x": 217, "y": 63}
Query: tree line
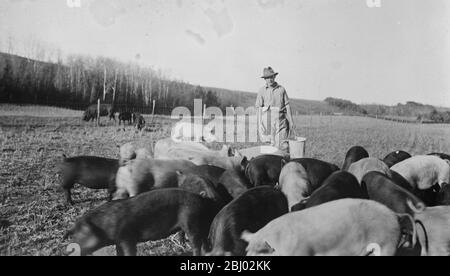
{"x": 414, "y": 110}
{"x": 346, "y": 106}
{"x": 80, "y": 81}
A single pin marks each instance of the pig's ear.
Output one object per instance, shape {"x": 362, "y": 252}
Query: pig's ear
{"x": 203, "y": 194}
{"x": 246, "y": 236}
{"x": 181, "y": 177}
{"x": 263, "y": 247}
{"x": 225, "y": 148}
{"x": 268, "y": 249}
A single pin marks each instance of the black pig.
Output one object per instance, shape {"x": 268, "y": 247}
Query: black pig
{"x": 149, "y": 216}
{"x": 252, "y": 210}
{"x": 89, "y": 171}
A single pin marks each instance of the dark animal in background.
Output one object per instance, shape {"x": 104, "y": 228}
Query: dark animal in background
{"x": 354, "y": 155}
{"x": 89, "y": 171}
{"x": 125, "y": 117}
{"x": 235, "y": 182}
{"x": 4, "y": 223}
{"x": 382, "y": 189}
{"x": 317, "y": 170}
{"x": 150, "y": 216}
{"x": 134, "y": 116}
{"x": 105, "y": 110}
{"x": 139, "y": 121}
{"x": 263, "y": 170}
{"x": 251, "y": 211}
{"x": 396, "y": 157}
{"x": 339, "y": 185}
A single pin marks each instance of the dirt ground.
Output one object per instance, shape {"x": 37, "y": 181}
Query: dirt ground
{"x": 33, "y": 213}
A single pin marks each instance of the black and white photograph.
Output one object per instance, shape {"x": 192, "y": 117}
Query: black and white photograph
{"x": 222, "y": 128}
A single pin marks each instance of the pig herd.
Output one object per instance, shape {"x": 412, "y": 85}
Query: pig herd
{"x": 227, "y": 205}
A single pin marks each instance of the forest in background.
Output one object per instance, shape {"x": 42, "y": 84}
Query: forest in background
{"x": 78, "y": 81}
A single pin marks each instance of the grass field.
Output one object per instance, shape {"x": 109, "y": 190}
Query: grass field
{"x": 32, "y": 141}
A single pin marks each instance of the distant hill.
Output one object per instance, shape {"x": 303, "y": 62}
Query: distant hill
{"x": 246, "y": 99}
{"x": 417, "y": 111}
{"x": 346, "y": 106}
{"x": 410, "y": 109}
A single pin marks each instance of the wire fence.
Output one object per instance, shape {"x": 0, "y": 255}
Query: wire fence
{"x": 118, "y": 108}
{"x": 161, "y": 109}
{"x": 405, "y": 120}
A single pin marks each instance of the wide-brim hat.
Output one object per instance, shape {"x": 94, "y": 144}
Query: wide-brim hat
{"x": 269, "y": 73}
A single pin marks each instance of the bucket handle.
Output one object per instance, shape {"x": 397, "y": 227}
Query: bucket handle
{"x": 292, "y": 133}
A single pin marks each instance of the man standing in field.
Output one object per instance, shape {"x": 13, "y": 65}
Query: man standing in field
{"x": 274, "y": 112}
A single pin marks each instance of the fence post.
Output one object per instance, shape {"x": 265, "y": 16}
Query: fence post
{"x": 98, "y": 112}
{"x": 153, "y": 110}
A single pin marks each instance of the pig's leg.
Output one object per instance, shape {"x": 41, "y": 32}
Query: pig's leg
{"x": 110, "y": 196}
{"x": 182, "y": 238}
{"x": 111, "y": 190}
{"x": 196, "y": 243}
{"x": 68, "y": 195}
{"x": 67, "y": 187}
{"x": 68, "y": 181}
{"x": 240, "y": 246}
{"x": 119, "y": 250}
{"x": 126, "y": 248}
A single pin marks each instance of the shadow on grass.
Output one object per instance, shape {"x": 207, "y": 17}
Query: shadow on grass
{"x": 95, "y": 199}
{"x": 4, "y": 223}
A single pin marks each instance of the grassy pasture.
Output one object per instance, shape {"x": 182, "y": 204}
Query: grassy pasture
{"x": 33, "y": 139}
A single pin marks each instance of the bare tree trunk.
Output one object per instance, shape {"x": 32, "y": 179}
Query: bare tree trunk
{"x": 114, "y": 87}
{"x": 104, "y": 83}
{"x": 149, "y": 85}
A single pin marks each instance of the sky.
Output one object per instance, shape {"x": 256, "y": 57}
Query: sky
{"x": 366, "y": 51}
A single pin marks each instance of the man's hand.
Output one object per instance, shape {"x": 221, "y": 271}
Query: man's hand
{"x": 290, "y": 118}
{"x": 292, "y": 128}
